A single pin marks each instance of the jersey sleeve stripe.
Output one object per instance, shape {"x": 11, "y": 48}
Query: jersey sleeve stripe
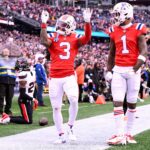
{"x": 78, "y": 35}
{"x": 111, "y": 29}
{"x": 51, "y": 35}
{"x": 139, "y": 26}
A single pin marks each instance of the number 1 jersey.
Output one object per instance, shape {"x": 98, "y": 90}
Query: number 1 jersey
{"x": 126, "y": 43}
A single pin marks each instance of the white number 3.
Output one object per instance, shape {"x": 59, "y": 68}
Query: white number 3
{"x": 125, "y": 50}
{"x": 67, "y": 50}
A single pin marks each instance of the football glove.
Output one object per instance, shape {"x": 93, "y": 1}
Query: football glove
{"x": 35, "y": 104}
{"x": 108, "y": 76}
{"x": 44, "y": 16}
{"x": 87, "y": 13}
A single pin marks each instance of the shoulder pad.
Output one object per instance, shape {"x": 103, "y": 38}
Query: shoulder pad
{"x": 78, "y": 36}
{"x": 111, "y": 29}
{"x": 139, "y": 26}
{"x": 50, "y": 35}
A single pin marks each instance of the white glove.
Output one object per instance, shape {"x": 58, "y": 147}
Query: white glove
{"x": 44, "y": 16}
{"x": 108, "y": 76}
{"x": 87, "y": 13}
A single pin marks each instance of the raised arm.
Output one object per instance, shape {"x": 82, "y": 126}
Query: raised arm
{"x": 87, "y": 36}
{"x": 43, "y": 35}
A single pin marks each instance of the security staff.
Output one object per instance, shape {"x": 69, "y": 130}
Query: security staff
{"x": 7, "y": 81}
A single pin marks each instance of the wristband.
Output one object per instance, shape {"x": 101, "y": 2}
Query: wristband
{"x": 43, "y": 25}
{"x": 141, "y": 57}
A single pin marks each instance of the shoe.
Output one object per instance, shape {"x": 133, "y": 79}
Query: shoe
{"x": 116, "y": 140}
{"x": 60, "y": 140}
{"x": 130, "y": 139}
{"x": 5, "y": 119}
{"x": 71, "y": 135}
{"x": 1, "y": 121}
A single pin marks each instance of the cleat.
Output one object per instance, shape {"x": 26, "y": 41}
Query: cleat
{"x": 60, "y": 140}
{"x": 116, "y": 140}
{"x": 0, "y": 120}
{"x": 5, "y": 119}
{"x": 71, "y": 135}
{"x": 130, "y": 139}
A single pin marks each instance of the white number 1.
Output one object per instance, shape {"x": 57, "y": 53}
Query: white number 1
{"x": 125, "y": 50}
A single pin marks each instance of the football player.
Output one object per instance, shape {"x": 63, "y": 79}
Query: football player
{"x": 63, "y": 47}
{"x": 26, "y": 88}
{"x": 128, "y": 52}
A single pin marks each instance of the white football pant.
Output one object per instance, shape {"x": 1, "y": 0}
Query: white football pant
{"x": 57, "y": 87}
{"x": 125, "y": 83}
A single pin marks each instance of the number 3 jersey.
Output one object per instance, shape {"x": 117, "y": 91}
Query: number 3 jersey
{"x": 29, "y": 77}
{"x": 126, "y": 43}
{"x": 63, "y": 51}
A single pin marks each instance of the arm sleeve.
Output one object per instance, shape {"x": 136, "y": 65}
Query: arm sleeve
{"x": 86, "y": 38}
{"x": 110, "y": 32}
{"x": 142, "y": 30}
{"x": 23, "y": 94}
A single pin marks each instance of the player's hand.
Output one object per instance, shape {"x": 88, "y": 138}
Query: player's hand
{"x": 108, "y": 76}
{"x": 35, "y": 104}
{"x": 87, "y": 13}
{"x": 44, "y": 16}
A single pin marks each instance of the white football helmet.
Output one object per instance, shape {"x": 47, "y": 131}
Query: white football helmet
{"x": 65, "y": 25}
{"x": 121, "y": 12}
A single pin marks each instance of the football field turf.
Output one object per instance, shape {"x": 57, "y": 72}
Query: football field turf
{"x": 85, "y": 110}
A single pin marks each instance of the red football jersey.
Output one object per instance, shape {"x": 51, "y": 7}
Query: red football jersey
{"x": 63, "y": 51}
{"x": 127, "y": 50}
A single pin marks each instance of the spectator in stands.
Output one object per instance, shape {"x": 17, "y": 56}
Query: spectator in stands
{"x": 41, "y": 78}
{"x": 79, "y": 68}
{"x": 7, "y": 81}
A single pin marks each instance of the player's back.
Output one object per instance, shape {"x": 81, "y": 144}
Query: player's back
{"x": 29, "y": 77}
{"x": 126, "y": 43}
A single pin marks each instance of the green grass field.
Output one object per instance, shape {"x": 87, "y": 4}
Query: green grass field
{"x": 85, "y": 110}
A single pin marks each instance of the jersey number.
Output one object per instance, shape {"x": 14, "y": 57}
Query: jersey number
{"x": 66, "y": 50}
{"x": 125, "y": 50}
{"x": 30, "y": 90}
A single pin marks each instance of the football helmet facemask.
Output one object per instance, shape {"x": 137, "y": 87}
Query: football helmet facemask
{"x": 65, "y": 25}
{"x": 22, "y": 64}
{"x": 121, "y": 12}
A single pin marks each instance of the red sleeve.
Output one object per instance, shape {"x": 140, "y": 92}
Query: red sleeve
{"x": 142, "y": 29}
{"x": 110, "y": 32}
{"x": 86, "y": 38}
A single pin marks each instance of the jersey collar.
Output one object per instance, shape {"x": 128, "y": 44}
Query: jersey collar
{"x": 126, "y": 26}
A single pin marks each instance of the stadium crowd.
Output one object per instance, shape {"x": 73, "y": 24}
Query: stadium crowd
{"x": 100, "y": 18}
